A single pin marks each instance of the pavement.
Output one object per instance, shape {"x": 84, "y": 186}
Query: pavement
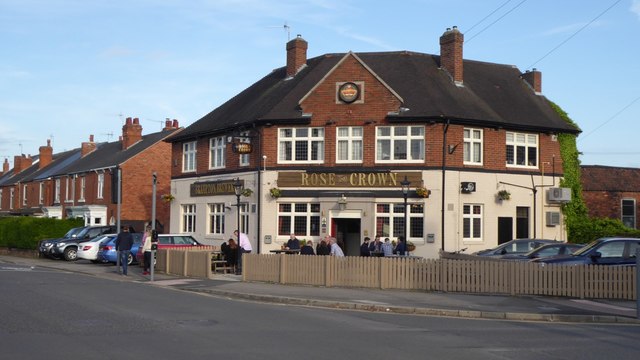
{"x": 495, "y": 307}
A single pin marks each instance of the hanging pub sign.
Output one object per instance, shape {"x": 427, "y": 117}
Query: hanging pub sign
{"x": 348, "y": 92}
{"x": 241, "y": 148}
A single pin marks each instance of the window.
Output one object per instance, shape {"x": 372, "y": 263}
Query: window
{"x": 301, "y": 145}
{"x": 11, "y": 195}
{"x": 24, "y": 195}
{"x": 56, "y": 196}
{"x": 473, "y": 146}
{"x": 217, "y": 147}
{"x": 0, "y": 198}
{"x": 302, "y": 219}
{"x": 522, "y": 150}
{"x": 82, "y": 187}
{"x": 629, "y": 212}
{"x": 349, "y": 145}
{"x": 67, "y": 187}
{"x": 189, "y": 156}
{"x": 390, "y": 220}
{"x": 100, "y": 192}
{"x": 399, "y": 143}
{"x": 244, "y": 218}
{"x": 245, "y": 158}
{"x": 216, "y": 219}
{"x": 472, "y": 222}
{"x": 188, "y": 218}
{"x": 40, "y": 194}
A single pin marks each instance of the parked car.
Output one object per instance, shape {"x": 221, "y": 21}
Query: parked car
{"x": 544, "y": 251}
{"x": 45, "y": 247}
{"x": 107, "y": 251}
{"x": 516, "y": 246}
{"x": 172, "y": 240}
{"x": 603, "y": 251}
{"x": 88, "y": 250}
{"x": 68, "y": 248}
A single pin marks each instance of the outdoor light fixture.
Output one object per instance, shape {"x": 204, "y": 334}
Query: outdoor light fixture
{"x": 342, "y": 202}
{"x": 238, "y": 187}
{"x": 405, "y": 192}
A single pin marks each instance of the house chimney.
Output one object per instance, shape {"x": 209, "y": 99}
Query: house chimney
{"x": 296, "y": 55}
{"x": 87, "y": 147}
{"x": 131, "y": 132}
{"x": 451, "y": 53}
{"x": 534, "y": 78}
{"x": 175, "y": 124}
{"x": 167, "y": 124}
{"x": 5, "y": 166}
{"x": 46, "y": 155}
{"x": 21, "y": 162}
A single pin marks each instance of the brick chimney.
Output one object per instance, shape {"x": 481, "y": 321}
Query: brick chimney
{"x": 170, "y": 125}
{"x": 131, "y": 132}
{"x": 46, "y": 155}
{"x": 21, "y": 162}
{"x": 87, "y": 147}
{"x": 451, "y": 53}
{"x": 296, "y": 55}
{"x": 534, "y": 78}
{"x": 5, "y": 166}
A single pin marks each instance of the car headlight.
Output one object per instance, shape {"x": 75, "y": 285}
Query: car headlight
{"x": 61, "y": 244}
{"x": 47, "y": 244}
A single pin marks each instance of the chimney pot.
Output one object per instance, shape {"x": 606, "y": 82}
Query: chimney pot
{"x": 534, "y": 79}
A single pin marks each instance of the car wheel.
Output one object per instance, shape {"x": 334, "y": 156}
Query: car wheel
{"x": 71, "y": 254}
{"x": 130, "y": 259}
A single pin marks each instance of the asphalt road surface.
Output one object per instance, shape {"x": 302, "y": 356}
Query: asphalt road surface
{"x": 54, "y": 314}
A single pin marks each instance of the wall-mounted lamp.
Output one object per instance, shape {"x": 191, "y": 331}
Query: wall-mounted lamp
{"x": 342, "y": 202}
{"x": 452, "y": 148}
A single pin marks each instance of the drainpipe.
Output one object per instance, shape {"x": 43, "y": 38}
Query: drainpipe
{"x": 259, "y": 204}
{"x": 444, "y": 161}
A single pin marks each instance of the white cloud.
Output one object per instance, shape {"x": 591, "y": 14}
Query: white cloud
{"x": 635, "y": 8}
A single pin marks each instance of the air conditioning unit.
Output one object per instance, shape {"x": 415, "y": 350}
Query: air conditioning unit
{"x": 553, "y": 218}
{"x": 559, "y": 195}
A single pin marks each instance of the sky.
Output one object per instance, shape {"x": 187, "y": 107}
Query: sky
{"x": 74, "y": 68}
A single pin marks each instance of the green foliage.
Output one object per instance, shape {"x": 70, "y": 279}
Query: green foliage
{"x": 580, "y": 227}
{"x": 25, "y": 232}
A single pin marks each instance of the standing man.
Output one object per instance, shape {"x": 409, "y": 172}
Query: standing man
{"x": 244, "y": 246}
{"x": 124, "y": 242}
{"x": 335, "y": 249}
{"x": 293, "y": 243}
{"x": 364, "y": 248}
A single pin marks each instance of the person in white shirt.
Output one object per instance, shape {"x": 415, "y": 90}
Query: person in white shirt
{"x": 244, "y": 246}
{"x": 335, "y": 249}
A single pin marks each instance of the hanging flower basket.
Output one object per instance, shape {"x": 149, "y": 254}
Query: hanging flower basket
{"x": 167, "y": 198}
{"x": 247, "y": 192}
{"x": 275, "y": 192}
{"x": 503, "y": 195}
{"x": 422, "y": 192}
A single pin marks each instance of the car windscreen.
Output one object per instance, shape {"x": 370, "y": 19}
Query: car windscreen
{"x": 183, "y": 240}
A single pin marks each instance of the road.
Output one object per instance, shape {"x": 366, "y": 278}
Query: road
{"x": 53, "y": 314}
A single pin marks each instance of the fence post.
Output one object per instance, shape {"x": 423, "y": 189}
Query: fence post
{"x": 382, "y": 266}
{"x": 443, "y": 275}
{"x": 283, "y": 268}
{"x": 327, "y": 271}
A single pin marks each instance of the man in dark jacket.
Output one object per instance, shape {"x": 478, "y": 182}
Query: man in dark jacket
{"x": 364, "y": 248}
{"x": 124, "y": 242}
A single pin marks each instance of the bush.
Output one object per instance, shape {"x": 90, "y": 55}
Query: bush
{"x": 27, "y": 232}
{"x": 593, "y": 228}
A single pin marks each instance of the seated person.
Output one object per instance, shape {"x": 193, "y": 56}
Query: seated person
{"x": 307, "y": 249}
{"x": 231, "y": 253}
{"x": 293, "y": 243}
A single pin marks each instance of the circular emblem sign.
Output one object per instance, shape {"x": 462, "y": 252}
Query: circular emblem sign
{"x": 348, "y": 92}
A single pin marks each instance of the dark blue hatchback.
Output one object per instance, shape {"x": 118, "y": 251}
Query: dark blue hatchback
{"x": 604, "y": 251}
{"x": 107, "y": 252}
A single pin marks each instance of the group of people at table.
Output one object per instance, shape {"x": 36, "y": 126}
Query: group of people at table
{"x": 330, "y": 246}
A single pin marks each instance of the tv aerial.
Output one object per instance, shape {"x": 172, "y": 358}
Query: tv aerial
{"x": 286, "y": 28}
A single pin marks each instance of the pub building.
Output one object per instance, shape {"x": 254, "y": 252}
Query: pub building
{"x": 323, "y": 146}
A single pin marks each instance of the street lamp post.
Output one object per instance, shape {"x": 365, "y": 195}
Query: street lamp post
{"x": 405, "y": 192}
{"x": 238, "y": 187}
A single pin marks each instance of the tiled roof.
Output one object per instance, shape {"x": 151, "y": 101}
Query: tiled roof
{"x": 609, "y": 178}
{"x": 493, "y": 95}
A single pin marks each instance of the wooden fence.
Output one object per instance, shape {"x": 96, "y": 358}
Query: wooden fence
{"x": 468, "y": 276}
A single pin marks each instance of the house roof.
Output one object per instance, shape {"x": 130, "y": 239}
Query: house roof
{"x": 492, "y": 95}
{"x": 609, "y": 178}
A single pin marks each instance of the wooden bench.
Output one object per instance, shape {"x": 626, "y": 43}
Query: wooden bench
{"x": 221, "y": 266}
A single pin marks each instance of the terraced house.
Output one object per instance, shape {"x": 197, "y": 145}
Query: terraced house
{"x": 324, "y": 145}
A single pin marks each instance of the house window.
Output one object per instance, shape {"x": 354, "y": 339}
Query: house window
{"x": 216, "y": 219}
{"x": 82, "y": 188}
{"x": 67, "y": 188}
{"x": 522, "y": 150}
{"x": 40, "y": 194}
{"x": 390, "y": 220}
{"x": 217, "y": 147}
{"x": 629, "y": 212}
{"x": 24, "y": 195}
{"x": 188, "y": 218}
{"x": 11, "y": 195}
{"x": 244, "y": 218}
{"x": 399, "y": 143}
{"x": 100, "y": 192}
{"x": 473, "y": 146}
{"x": 472, "y": 222}
{"x": 189, "y": 157}
{"x": 56, "y": 196}
{"x": 244, "y": 158}
{"x": 301, "y": 145}
{"x": 302, "y": 219}
{"x": 349, "y": 144}
{"x": 0, "y": 198}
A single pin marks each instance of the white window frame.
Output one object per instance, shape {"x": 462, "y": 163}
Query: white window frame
{"x": 309, "y": 214}
{"x": 216, "y": 217}
{"x": 1, "y": 198}
{"x": 189, "y": 218}
{"x": 100, "y": 190}
{"x": 67, "y": 186}
{"x": 528, "y": 141}
{"x": 189, "y": 151}
{"x": 409, "y": 139}
{"x": 12, "y": 193}
{"x": 354, "y": 144}
{"x": 244, "y": 218}
{"x": 40, "y": 193}
{"x": 631, "y": 217}
{"x": 24, "y": 195}
{"x": 245, "y": 159}
{"x": 83, "y": 183}
{"x": 470, "y": 219}
{"x": 473, "y": 146}
{"x": 396, "y": 215}
{"x": 217, "y": 152}
{"x": 290, "y": 136}
{"x": 56, "y": 197}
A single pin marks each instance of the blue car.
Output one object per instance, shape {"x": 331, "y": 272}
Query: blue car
{"x": 107, "y": 252}
{"x": 604, "y": 251}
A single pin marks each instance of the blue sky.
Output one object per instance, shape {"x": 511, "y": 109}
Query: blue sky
{"x": 74, "y": 68}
